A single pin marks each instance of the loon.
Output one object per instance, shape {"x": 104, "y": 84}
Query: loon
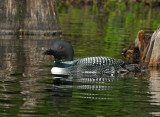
{"x": 65, "y": 64}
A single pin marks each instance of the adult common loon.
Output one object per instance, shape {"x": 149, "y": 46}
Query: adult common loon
{"x": 65, "y": 65}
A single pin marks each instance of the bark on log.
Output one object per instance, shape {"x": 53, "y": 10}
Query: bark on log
{"x": 155, "y": 55}
{"x": 28, "y": 17}
{"x": 148, "y": 47}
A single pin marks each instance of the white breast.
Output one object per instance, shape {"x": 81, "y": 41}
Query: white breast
{"x": 59, "y": 71}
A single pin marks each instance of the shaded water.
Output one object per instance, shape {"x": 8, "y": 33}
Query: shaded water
{"x": 27, "y": 87}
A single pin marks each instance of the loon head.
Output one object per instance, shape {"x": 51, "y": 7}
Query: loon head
{"x": 61, "y": 50}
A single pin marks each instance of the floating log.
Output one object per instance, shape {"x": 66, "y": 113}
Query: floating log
{"x": 28, "y": 17}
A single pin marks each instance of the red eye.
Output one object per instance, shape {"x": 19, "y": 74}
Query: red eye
{"x": 61, "y": 48}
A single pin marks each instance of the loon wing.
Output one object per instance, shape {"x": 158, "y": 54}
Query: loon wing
{"x": 99, "y": 61}
{"x": 97, "y": 65}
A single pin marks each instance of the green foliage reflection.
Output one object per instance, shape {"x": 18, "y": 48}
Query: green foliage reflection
{"x": 104, "y": 32}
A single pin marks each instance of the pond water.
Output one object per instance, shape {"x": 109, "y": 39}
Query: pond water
{"x": 27, "y": 87}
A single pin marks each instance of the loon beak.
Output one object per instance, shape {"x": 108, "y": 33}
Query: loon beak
{"x": 48, "y": 52}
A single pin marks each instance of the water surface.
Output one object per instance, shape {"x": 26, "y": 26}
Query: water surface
{"x": 27, "y": 87}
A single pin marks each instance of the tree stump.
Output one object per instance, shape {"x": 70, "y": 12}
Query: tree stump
{"x": 145, "y": 50}
{"x": 28, "y": 17}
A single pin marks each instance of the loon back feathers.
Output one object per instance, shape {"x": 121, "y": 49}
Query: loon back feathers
{"x": 97, "y": 65}
{"x": 100, "y": 61}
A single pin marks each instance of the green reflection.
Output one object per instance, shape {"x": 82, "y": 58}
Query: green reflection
{"x": 123, "y": 97}
{"x": 120, "y": 98}
{"x": 105, "y": 32}
{"x": 10, "y": 98}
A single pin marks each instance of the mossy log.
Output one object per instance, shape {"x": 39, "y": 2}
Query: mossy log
{"x": 28, "y": 17}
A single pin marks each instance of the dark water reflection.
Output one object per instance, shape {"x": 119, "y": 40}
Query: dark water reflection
{"x": 27, "y": 87}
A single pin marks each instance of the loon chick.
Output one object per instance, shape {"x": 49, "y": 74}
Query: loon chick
{"x": 65, "y": 65}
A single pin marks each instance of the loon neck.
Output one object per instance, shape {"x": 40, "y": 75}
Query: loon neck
{"x": 66, "y": 56}
{"x": 58, "y": 60}
{"x": 69, "y": 57}
{"x": 62, "y": 64}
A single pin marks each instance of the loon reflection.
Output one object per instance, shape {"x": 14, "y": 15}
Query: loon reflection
{"x": 86, "y": 85}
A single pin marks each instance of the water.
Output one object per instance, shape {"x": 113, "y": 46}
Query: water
{"x": 27, "y": 87}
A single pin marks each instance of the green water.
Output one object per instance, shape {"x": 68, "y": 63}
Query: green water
{"x": 27, "y": 87}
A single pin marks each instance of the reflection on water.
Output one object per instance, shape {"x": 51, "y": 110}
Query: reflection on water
{"x": 155, "y": 89}
{"x": 154, "y": 86}
{"x": 104, "y": 97}
{"x": 22, "y": 68}
{"x": 24, "y": 55}
{"x": 27, "y": 87}
{"x": 103, "y": 32}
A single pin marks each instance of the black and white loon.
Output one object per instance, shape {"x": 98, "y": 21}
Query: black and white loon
{"x": 65, "y": 64}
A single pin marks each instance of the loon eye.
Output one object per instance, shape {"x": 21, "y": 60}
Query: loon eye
{"x": 60, "y": 47}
